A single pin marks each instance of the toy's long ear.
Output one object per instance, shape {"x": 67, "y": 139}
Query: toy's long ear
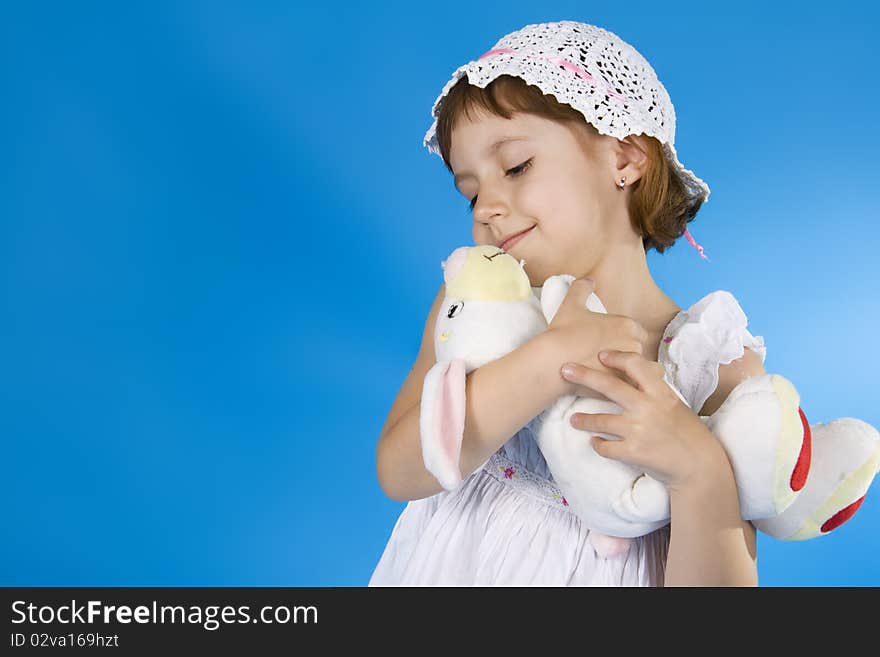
{"x": 846, "y": 456}
{"x": 441, "y": 421}
{"x": 553, "y": 293}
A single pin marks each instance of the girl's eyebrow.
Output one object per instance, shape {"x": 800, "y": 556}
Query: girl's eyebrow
{"x": 489, "y": 151}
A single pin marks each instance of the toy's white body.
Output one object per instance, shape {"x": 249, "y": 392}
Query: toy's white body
{"x": 611, "y": 497}
{"x": 462, "y": 343}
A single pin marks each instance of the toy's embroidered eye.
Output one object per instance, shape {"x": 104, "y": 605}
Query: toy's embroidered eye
{"x": 455, "y": 309}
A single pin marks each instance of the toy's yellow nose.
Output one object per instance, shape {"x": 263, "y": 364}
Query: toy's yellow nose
{"x": 445, "y": 336}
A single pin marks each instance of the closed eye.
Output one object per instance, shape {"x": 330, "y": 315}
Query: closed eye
{"x": 513, "y": 173}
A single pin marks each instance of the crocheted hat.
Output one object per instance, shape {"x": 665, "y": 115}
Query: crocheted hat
{"x": 592, "y": 70}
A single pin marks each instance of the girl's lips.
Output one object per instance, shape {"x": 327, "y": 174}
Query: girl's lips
{"x": 510, "y": 241}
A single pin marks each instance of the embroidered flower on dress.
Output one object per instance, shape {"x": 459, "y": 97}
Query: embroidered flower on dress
{"x": 522, "y": 479}
{"x": 667, "y": 340}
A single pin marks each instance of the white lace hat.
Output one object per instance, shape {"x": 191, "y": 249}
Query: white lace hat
{"x": 589, "y": 68}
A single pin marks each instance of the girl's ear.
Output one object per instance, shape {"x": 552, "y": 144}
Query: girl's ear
{"x": 632, "y": 158}
{"x": 441, "y": 421}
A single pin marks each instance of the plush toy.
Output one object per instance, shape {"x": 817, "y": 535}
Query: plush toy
{"x": 795, "y": 481}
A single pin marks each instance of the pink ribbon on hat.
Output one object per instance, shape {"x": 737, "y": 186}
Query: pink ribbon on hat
{"x": 564, "y": 63}
{"x": 689, "y": 238}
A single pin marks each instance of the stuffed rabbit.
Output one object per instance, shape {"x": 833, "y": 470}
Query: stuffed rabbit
{"x": 490, "y": 309}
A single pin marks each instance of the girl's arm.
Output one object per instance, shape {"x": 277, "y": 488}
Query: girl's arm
{"x": 501, "y": 397}
{"x": 710, "y": 544}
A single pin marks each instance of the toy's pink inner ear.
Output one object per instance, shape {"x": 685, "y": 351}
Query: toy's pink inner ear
{"x": 449, "y": 412}
{"x": 453, "y": 264}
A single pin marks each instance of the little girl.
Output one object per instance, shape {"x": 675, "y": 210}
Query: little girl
{"x": 561, "y": 137}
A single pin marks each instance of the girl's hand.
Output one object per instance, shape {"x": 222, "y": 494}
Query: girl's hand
{"x": 577, "y": 334}
{"x": 658, "y": 433}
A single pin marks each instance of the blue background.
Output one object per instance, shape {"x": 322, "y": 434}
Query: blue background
{"x": 220, "y": 235}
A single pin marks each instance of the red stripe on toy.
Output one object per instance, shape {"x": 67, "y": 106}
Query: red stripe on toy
{"x": 802, "y": 467}
{"x": 841, "y": 516}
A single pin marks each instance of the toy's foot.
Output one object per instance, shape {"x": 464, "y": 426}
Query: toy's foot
{"x": 846, "y": 456}
{"x": 646, "y": 500}
{"x": 767, "y": 439}
{"x": 607, "y": 546}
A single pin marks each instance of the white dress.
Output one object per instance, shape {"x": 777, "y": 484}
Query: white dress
{"x": 507, "y": 524}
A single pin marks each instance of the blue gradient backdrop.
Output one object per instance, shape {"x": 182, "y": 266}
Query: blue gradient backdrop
{"x": 220, "y": 235}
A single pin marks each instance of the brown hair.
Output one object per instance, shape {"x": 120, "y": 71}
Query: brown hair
{"x": 662, "y": 202}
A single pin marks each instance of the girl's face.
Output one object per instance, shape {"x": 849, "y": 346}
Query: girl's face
{"x": 554, "y": 180}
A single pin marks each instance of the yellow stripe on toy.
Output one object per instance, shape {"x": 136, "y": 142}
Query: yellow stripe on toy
{"x": 791, "y": 439}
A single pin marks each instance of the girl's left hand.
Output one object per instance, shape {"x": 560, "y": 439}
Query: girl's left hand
{"x": 658, "y": 432}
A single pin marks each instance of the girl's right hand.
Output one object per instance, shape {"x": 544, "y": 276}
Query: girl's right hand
{"x": 579, "y": 334}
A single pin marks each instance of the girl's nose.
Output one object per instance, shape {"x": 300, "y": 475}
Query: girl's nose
{"x": 488, "y": 208}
